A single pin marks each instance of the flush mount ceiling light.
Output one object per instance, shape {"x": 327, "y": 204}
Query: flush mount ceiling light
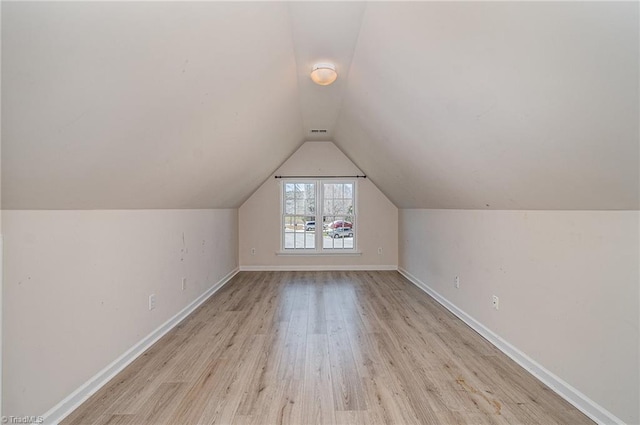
{"x": 324, "y": 73}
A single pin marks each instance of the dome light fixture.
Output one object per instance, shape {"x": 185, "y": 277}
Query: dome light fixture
{"x": 324, "y": 73}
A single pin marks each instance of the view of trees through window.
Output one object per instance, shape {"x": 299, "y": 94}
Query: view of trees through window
{"x": 318, "y": 215}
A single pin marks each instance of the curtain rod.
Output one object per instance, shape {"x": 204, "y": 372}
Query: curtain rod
{"x": 321, "y": 177}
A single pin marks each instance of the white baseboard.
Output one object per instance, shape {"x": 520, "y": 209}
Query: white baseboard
{"x": 583, "y": 403}
{"x": 309, "y": 268}
{"x": 79, "y": 396}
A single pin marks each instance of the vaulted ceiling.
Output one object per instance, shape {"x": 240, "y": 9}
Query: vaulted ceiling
{"x": 493, "y": 105}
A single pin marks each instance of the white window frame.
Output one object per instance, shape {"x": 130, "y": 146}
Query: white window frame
{"x": 319, "y": 239}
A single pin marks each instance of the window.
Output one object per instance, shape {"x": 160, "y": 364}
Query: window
{"x": 318, "y": 216}
{"x": 299, "y": 213}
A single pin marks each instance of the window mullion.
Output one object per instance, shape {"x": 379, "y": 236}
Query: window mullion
{"x": 319, "y": 222}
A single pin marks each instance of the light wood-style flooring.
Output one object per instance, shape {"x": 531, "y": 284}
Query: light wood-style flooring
{"x": 323, "y": 348}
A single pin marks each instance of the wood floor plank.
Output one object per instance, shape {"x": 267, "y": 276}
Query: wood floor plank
{"x": 161, "y": 404}
{"x": 323, "y": 348}
{"x": 121, "y": 420}
{"x": 223, "y": 401}
{"x": 317, "y": 323}
{"x": 317, "y": 403}
{"x": 192, "y": 405}
{"x": 345, "y": 379}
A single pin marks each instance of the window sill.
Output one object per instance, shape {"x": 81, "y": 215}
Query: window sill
{"x": 319, "y": 254}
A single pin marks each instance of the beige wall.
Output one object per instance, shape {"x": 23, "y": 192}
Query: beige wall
{"x": 260, "y": 216}
{"x": 76, "y": 286}
{"x": 567, "y": 282}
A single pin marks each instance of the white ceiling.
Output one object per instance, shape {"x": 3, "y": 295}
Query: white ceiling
{"x": 444, "y": 105}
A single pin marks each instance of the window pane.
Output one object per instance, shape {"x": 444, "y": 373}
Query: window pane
{"x": 296, "y": 235}
{"x": 310, "y": 189}
{"x": 288, "y": 229}
{"x": 348, "y": 190}
{"x": 328, "y": 191}
{"x": 338, "y": 238}
{"x": 348, "y": 206}
{"x": 310, "y": 239}
{"x": 288, "y": 207}
{"x": 328, "y": 207}
{"x": 310, "y": 208}
{"x": 288, "y": 189}
{"x": 339, "y": 207}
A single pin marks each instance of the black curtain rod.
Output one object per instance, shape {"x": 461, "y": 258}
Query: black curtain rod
{"x": 320, "y": 177}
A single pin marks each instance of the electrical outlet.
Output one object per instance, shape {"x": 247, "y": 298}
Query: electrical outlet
{"x": 253, "y": 251}
{"x": 496, "y": 303}
{"x": 184, "y": 283}
{"x": 380, "y": 251}
{"x": 152, "y": 301}
{"x": 456, "y": 282}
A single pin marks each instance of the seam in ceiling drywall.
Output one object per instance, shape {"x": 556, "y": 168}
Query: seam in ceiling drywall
{"x": 346, "y": 86}
{"x": 324, "y": 32}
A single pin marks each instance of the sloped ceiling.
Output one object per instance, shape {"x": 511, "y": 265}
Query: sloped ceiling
{"x": 505, "y": 105}
{"x": 145, "y": 104}
{"x": 498, "y": 105}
